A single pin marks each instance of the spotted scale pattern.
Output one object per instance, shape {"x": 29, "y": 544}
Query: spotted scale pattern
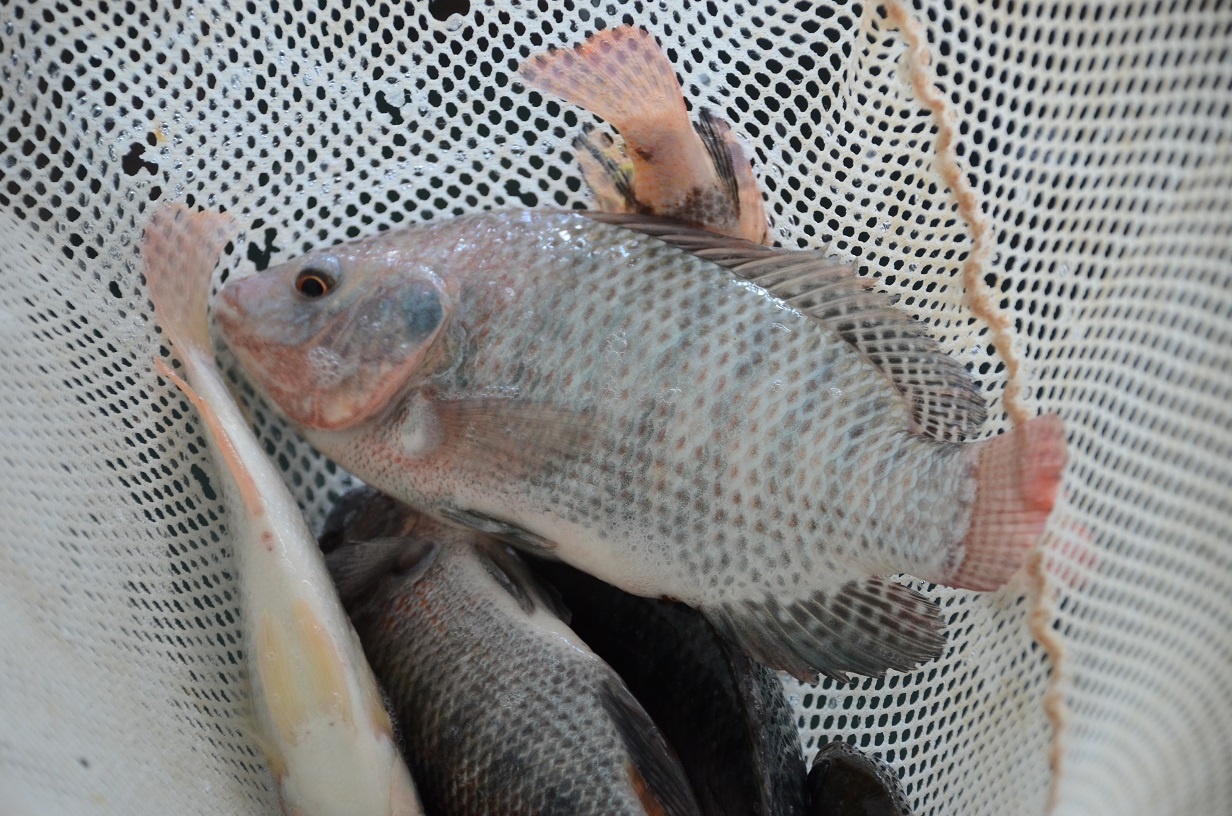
{"x": 503, "y": 709}
{"x": 741, "y": 452}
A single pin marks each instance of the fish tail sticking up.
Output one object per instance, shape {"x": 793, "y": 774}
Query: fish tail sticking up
{"x": 1018, "y": 475}
{"x": 180, "y": 248}
{"x": 619, "y": 75}
{"x": 607, "y": 170}
{"x": 736, "y": 174}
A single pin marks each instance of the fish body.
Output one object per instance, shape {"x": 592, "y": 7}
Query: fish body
{"x": 725, "y": 715}
{"x": 664, "y": 164}
{"x": 504, "y": 709}
{"x": 845, "y": 782}
{"x": 680, "y": 414}
{"x": 320, "y": 718}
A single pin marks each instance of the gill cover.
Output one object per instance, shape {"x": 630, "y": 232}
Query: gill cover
{"x": 332, "y": 337}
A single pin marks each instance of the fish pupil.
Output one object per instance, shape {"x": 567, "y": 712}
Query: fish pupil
{"x": 313, "y": 283}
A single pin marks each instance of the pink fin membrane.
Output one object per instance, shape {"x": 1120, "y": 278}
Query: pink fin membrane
{"x": 1018, "y": 476}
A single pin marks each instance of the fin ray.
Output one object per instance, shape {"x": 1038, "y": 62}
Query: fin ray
{"x": 666, "y": 786}
{"x": 867, "y": 627}
{"x": 502, "y": 433}
{"x": 620, "y": 75}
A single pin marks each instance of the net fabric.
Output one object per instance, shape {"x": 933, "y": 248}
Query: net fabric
{"x": 1096, "y": 138}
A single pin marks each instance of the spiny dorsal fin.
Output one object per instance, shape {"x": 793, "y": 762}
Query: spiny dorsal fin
{"x": 866, "y": 627}
{"x": 943, "y": 398}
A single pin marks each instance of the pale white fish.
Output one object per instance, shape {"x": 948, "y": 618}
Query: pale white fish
{"x": 321, "y": 720}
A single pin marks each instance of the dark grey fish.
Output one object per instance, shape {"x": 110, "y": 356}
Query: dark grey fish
{"x": 503, "y": 709}
{"x": 725, "y": 714}
{"x": 846, "y": 782}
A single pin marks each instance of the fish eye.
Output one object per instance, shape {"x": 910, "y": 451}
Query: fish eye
{"x": 313, "y": 283}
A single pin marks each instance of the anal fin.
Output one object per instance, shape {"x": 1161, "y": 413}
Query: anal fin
{"x": 866, "y": 627}
{"x": 655, "y": 773}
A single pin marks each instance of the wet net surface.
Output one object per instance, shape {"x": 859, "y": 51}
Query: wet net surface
{"x": 1096, "y": 138}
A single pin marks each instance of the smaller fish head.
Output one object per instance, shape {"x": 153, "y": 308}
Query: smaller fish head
{"x": 334, "y": 336}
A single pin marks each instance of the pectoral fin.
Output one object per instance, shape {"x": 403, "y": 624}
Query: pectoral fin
{"x": 514, "y": 438}
{"x": 607, "y": 171}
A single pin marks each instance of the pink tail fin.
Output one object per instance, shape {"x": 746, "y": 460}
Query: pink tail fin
{"x": 1018, "y": 475}
{"x": 620, "y": 75}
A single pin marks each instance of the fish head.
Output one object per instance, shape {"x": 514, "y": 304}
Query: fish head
{"x": 334, "y": 336}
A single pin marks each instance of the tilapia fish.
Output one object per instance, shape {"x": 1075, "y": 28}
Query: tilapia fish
{"x": 751, "y": 431}
{"x": 322, "y": 724}
{"x": 504, "y": 710}
{"x": 845, "y": 782}
{"x": 664, "y": 165}
{"x": 725, "y": 715}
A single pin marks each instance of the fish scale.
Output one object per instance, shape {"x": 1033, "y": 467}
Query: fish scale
{"x": 702, "y": 428}
{"x": 456, "y": 628}
{"x": 659, "y": 420}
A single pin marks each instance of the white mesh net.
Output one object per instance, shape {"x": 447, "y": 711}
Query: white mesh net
{"x": 1097, "y": 139}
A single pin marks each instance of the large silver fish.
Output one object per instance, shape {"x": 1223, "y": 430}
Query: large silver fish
{"x": 725, "y": 714}
{"x": 751, "y": 431}
{"x": 504, "y": 710}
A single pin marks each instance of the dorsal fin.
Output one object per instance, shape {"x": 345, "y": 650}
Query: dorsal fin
{"x": 943, "y": 398}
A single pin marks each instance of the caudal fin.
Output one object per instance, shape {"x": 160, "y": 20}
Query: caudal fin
{"x": 1018, "y": 475}
{"x": 619, "y": 75}
{"x": 181, "y": 249}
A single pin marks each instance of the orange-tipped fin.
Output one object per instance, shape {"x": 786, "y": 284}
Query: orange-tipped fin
{"x": 181, "y": 249}
{"x": 619, "y": 75}
{"x": 1018, "y": 476}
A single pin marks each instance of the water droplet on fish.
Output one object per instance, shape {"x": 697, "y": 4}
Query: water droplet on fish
{"x": 794, "y": 700}
{"x": 884, "y": 226}
{"x": 832, "y": 704}
{"x": 836, "y": 392}
{"x": 913, "y": 268}
{"x": 96, "y": 111}
{"x": 455, "y": 22}
{"x": 703, "y": 80}
{"x": 130, "y": 195}
{"x": 617, "y": 343}
{"x": 8, "y": 27}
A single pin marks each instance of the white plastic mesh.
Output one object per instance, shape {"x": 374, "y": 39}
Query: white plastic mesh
{"x": 1097, "y": 138}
